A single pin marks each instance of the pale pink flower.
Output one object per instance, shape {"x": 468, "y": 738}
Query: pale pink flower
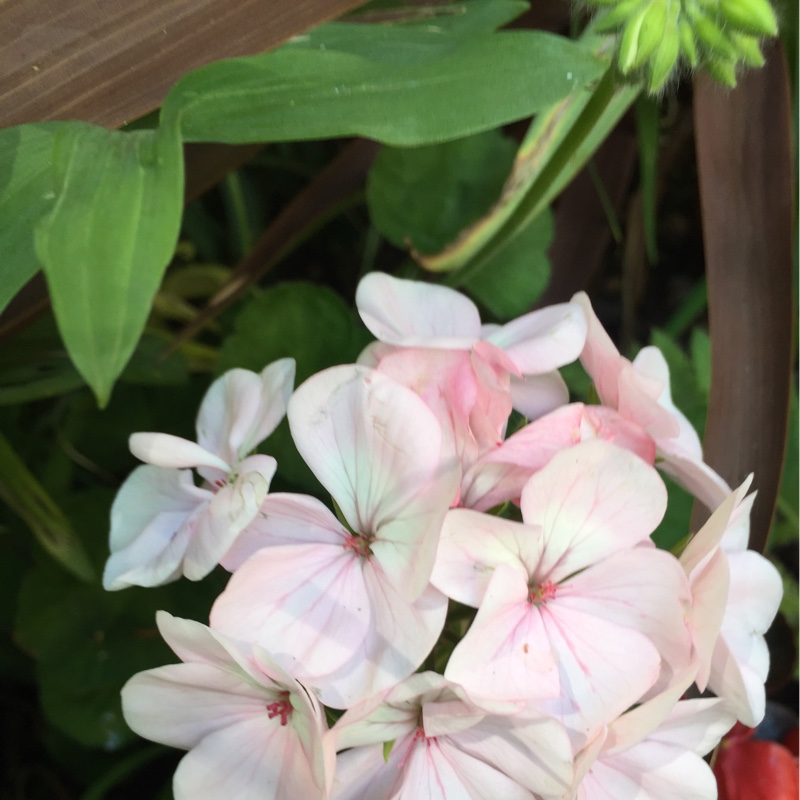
{"x": 640, "y": 391}
{"x": 162, "y": 525}
{"x": 576, "y": 608}
{"x": 413, "y": 314}
{"x": 348, "y": 604}
{"x": 444, "y": 746}
{"x": 655, "y": 751}
{"x": 252, "y": 731}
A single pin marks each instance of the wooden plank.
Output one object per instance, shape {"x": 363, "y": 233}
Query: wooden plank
{"x": 112, "y": 61}
{"x": 744, "y": 154}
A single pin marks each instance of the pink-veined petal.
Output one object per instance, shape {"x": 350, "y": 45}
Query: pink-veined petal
{"x": 258, "y": 759}
{"x": 472, "y": 545}
{"x": 376, "y": 447}
{"x": 643, "y": 589}
{"x": 602, "y": 422}
{"x": 535, "y": 752}
{"x": 638, "y": 401}
{"x": 306, "y": 604}
{"x": 536, "y": 395}
{"x": 600, "y": 357}
{"x": 505, "y": 653}
{"x": 591, "y": 500}
{"x": 650, "y": 361}
{"x": 710, "y": 584}
{"x": 166, "y": 450}
{"x": 285, "y": 518}
{"x": 362, "y": 772}
{"x": 180, "y": 704}
{"x": 400, "y": 637}
{"x": 416, "y": 314}
{"x": 151, "y": 520}
{"x": 543, "y": 340}
{"x": 740, "y": 662}
{"x": 603, "y": 667}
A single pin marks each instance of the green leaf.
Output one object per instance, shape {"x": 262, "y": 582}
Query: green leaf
{"x": 700, "y": 349}
{"x": 22, "y": 492}
{"x": 108, "y": 239}
{"x": 517, "y": 274}
{"x": 387, "y": 750}
{"x": 26, "y": 195}
{"x": 299, "y": 94}
{"x": 675, "y": 525}
{"x": 413, "y": 41}
{"x": 422, "y": 197}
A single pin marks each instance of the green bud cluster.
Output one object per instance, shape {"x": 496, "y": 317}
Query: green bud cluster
{"x": 656, "y": 36}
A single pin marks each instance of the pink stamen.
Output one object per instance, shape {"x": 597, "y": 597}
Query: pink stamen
{"x": 540, "y": 594}
{"x": 218, "y": 484}
{"x": 280, "y": 708}
{"x": 359, "y": 545}
{"x": 418, "y": 734}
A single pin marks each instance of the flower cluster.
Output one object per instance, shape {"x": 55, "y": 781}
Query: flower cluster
{"x": 484, "y": 613}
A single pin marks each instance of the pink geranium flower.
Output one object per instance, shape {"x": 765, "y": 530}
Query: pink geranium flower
{"x": 162, "y": 525}
{"x": 655, "y": 751}
{"x": 576, "y": 608}
{"x": 252, "y": 731}
{"x": 348, "y": 603}
{"x": 413, "y": 314}
{"x": 444, "y": 746}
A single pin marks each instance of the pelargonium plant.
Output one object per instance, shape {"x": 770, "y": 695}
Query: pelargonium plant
{"x": 481, "y": 610}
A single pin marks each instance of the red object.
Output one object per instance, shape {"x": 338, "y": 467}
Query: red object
{"x": 750, "y": 769}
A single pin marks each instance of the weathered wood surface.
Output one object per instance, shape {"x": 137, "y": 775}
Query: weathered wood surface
{"x": 113, "y": 61}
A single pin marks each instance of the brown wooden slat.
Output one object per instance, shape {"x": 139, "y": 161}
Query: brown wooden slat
{"x": 112, "y": 61}
{"x": 744, "y": 155}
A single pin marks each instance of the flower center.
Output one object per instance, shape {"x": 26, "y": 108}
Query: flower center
{"x": 539, "y": 595}
{"x": 280, "y": 708}
{"x": 359, "y": 544}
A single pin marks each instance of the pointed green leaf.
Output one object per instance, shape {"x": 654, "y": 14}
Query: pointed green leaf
{"x": 108, "y": 239}
{"x": 26, "y": 195}
{"x": 21, "y": 492}
{"x": 299, "y": 94}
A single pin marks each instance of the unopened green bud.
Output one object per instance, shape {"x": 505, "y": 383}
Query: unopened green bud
{"x": 723, "y": 71}
{"x": 614, "y": 17}
{"x": 688, "y": 46}
{"x": 749, "y": 51}
{"x": 663, "y": 61}
{"x": 712, "y": 36}
{"x": 629, "y": 44}
{"x": 751, "y": 16}
{"x": 652, "y": 31}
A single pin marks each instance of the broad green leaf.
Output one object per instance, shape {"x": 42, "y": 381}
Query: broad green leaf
{"x": 517, "y": 274}
{"x": 26, "y": 195}
{"x": 422, "y": 197}
{"x": 788, "y": 497}
{"x": 108, "y": 239}
{"x": 298, "y": 94}
{"x": 417, "y": 40}
{"x": 22, "y": 492}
